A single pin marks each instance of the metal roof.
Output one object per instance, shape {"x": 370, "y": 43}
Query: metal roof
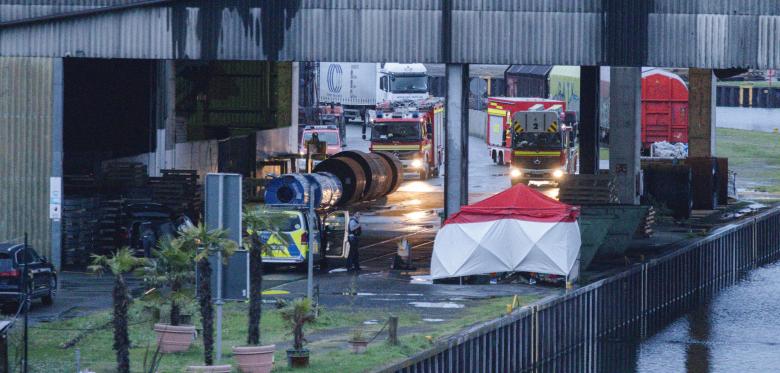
{"x": 684, "y": 33}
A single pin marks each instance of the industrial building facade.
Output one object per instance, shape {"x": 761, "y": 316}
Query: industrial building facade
{"x": 164, "y": 83}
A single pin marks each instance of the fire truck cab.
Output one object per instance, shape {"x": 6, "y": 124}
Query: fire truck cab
{"x": 498, "y": 134}
{"x": 415, "y": 134}
{"x": 543, "y": 149}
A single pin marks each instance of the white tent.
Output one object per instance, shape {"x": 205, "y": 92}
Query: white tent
{"x": 519, "y": 229}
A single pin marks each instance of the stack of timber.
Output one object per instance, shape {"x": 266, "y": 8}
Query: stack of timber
{"x": 80, "y": 185}
{"x": 123, "y": 175}
{"x": 79, "y": 230}
{"x": 178, "y": 190}
{"x": 588, "y": 190}
{"x": 109, "y": 226}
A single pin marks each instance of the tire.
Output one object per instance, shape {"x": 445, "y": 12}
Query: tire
{"x": 494, "y": 157}
{"x": 48, "y": 299}
{"x": 501, "y": 159}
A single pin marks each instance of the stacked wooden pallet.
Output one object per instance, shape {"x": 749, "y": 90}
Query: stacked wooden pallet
{"x": 646, "y": 230}
{"x": 79, "y": 228}
{"x": 124, "y": 175}
{"x": 588, "y": 190}
{"x": 179, "y": 190}
{"x": 109, "y": 226}
{"x": 80, "y": 185}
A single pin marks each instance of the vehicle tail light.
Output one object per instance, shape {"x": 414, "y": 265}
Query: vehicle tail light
{"x": 305, "y": 238}
{"x": 11, "y": 273}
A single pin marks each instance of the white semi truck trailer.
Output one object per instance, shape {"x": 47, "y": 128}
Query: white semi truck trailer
{"x": 359, "y": 87}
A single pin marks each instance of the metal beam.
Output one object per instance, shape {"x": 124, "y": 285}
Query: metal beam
{"x": 590, "y": 80}
{"x": 456, "y": 132}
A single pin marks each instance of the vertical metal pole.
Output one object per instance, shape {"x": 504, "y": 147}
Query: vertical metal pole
{"x": 219, "y": 273}
{"x": 78, "y": 360}
{"x": 588, "y": 130}
{"x": 25, "y": 304}
{"x": 310, "y": 254}
{"x": 456, "y": 140}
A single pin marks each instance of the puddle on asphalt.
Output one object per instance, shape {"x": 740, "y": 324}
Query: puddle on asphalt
{"x": 337, "y": 270}
{"x": 423, "y": 279}
{"x": 447, "y": 305}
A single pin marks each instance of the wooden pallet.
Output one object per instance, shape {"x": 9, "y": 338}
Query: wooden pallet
{"x": 588, "y": 190}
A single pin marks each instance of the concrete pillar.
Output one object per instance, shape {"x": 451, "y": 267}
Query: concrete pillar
{"x": 701, "y": 113}
{"x": 590, "y": 81}
{"x": 456, "y": 133}
{"x": 58, "y": 112}
{"x": 164, "y": 118}
{"x": 294, "y": 101}
{"x": 625, "y": 112}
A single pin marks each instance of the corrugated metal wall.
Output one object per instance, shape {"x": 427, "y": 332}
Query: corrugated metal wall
{"x": 26, "y": 122}
{"x": 692, "y": 33}
{"x": 11, "y": 10}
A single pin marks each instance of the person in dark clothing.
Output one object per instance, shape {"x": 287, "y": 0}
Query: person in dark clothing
{"x": 353, "y": 260}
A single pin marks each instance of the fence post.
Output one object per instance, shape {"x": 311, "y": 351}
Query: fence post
{"x": 392, "y": 330}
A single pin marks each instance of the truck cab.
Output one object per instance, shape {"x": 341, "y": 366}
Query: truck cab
{"x": 290, "y": 244}
{"x": 414, "y": 135}
{"x": 543, "y": 149}
{"x": 402, "y": 82}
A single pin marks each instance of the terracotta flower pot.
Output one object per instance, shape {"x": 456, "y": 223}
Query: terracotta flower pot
{"x": 174, "y": 338}
{"x": 255, "y": 359}
{"x": 210, "y": 369}
{"x": 298, "y": 358}
{"x": 358, "y": 347}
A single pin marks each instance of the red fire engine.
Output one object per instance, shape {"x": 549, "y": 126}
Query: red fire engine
{"x": 415, "y": 134}
{"x": 499, "y": 120}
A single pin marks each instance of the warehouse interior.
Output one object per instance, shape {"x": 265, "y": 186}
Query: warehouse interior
{"x": 137, "y": 144}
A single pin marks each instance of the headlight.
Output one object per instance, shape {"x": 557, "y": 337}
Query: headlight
{"x": 558, "y": 174}
{"x": 417, "y": 163}
{"x": 515, "y": 173}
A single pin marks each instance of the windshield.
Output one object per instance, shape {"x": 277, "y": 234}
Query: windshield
{"x": 409, "y": 84}
{"x": 537, "y": 140}
{"x": 396, "y": 131}
{"x": 331, "y": 138}
{"x": 285, "y": 221}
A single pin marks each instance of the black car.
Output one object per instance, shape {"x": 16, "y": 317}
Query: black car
{"x": 41, "y": 274}
{"x": 145, "y": 223}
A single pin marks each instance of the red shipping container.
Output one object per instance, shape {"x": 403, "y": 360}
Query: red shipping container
{"x": 664, "y": 108}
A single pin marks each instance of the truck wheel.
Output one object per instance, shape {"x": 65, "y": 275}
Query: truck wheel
{"x": 494, "y": 157}
{"x": 501, "y": 159}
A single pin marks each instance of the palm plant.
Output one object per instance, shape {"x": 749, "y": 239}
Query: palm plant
{"x": 264, "y": 233}
{"x": 205, "y": 242}
{"x": 297, "y": 314}
{"x": 121, "y": 263}
{"x": 172, "y": 267}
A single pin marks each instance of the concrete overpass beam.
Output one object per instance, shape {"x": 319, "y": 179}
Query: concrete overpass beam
{"x": 590, "y": 80}
{"x": 625, "y": 112}
{"x": 701, "y": 113}
{"x": 456, "y": 139}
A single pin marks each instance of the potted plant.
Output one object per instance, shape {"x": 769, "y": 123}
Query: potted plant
{"x": 297, "y": 314}
{"x": 359, "y": 340}
{"x": 121, "y": 263}
{"x": 256, "y": 358}
{"x": 172, "y": 270}
{"x": 204, "y": 242}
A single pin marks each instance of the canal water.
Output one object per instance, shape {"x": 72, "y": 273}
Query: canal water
{"x": 738, "y": 331}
